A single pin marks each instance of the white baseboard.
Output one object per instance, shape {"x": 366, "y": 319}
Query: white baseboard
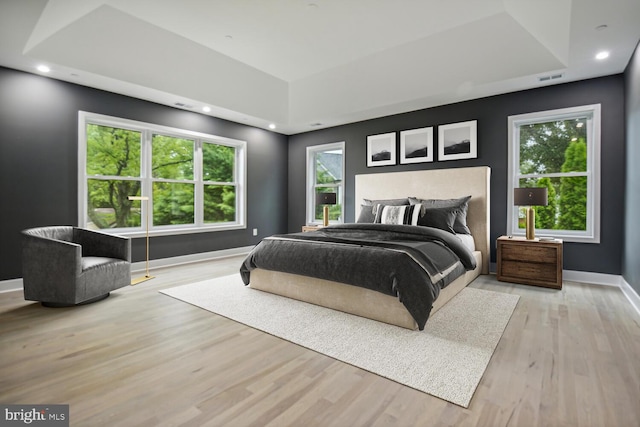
{"x": 11, "y": 285}
{"x": 14, "y": 285}
{"x": 631, "y": 295}
{"x": 605, "y": 280}
{"x": 593, "y": 278}
{"x": 139, "y": 267}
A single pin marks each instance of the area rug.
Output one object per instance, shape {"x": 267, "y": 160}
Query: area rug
{"x": 446, "y": 360}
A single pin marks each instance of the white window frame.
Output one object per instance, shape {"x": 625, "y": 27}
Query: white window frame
{"x": 311, "y": 181}
{"x": 147, "y": 130}
{"x": 592, "y": 112}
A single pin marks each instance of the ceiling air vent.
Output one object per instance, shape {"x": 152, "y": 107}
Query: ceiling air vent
{"x": 550, "y": 77}
{"x": 182, "y": 105}
{"x": 313, "y": 125}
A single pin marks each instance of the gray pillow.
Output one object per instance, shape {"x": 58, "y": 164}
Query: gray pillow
{"x": 366, "y": 214}
{"x": 442, "y": 218}
{"x": 389, "y": 202}
{"x": 368, "y": 208}
{"x": 460, "y": 206}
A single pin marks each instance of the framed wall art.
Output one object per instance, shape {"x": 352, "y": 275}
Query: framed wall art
{"x": 381, "y": 149}
{"x": 416, "y": 145}
{"x": 458, "y": 141}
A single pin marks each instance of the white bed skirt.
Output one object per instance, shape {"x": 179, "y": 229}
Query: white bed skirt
{"x": 353, "y": 299}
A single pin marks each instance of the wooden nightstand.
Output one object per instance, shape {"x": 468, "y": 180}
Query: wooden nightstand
{"x": 306, "y": 228}
{"x": 531, "y": 262}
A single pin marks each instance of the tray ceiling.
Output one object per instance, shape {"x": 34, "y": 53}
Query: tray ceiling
{"x": 304, "y": 65}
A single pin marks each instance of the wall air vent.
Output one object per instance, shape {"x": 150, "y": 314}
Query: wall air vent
{"x": 550, "y": 77}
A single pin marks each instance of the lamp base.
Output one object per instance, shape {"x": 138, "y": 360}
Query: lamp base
{"x": 141, "y": 279}
{"x": 531, "y": 223}
{"x": 325, "y": 216}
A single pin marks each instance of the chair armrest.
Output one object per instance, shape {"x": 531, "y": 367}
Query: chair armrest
{"x": 44, "y": 258}
{"x": 96, "y": 243}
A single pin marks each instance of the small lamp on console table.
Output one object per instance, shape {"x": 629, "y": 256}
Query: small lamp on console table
{"x": 530, "y": 197}
{"x": 325, "y": 199}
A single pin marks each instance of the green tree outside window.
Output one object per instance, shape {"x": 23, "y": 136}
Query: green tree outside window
{"x": 114, "y": 172}
{"x": 113, "y": 152}
{"x": 554, "y": 155}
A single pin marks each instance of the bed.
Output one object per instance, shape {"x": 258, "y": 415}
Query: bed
{"x": 360, "y": 298}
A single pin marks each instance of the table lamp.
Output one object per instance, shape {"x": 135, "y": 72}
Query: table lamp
{"x": 325, "y": 199}
{"x": 530, "y": 197}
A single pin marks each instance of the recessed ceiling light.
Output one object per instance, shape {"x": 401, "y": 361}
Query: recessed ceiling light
{"x": 602, "y": 55}
{"x": 43, "y": 68}
{"x": 272, "y": 126}
{"x": 206, "y": 109}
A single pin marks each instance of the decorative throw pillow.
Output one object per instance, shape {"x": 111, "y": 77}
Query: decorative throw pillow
{"x": 461, "y": 205}
{"x": 442, "y": 218}
{"x": 407, "y": 214}
{"x": 366, "y": 214}
{"x": 368, "y": 208}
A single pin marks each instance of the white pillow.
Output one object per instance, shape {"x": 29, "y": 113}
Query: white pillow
{"x": 406, "y": 214}
{"x": 467, "y": 240}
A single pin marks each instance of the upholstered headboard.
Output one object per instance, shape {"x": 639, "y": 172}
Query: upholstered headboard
{"x": 437, "y": 184}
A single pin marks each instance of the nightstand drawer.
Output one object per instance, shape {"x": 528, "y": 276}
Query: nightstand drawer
{"x": 517, "y": 252}
{"x": 529, "y": 271}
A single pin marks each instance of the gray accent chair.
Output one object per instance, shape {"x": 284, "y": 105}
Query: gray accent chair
{"x": 64, "y": 265}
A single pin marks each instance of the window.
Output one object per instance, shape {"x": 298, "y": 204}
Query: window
{"x": 560, "y": 150}
{"x": 325, "y": 169}
{"x": 194, "y": 182}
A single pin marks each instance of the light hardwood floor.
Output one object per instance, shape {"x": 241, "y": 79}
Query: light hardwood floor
{"x": 140, "y": 358}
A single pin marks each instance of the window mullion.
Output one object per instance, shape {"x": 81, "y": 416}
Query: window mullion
{"x": 199, "y": 186}
{"x": 553, "y": 175}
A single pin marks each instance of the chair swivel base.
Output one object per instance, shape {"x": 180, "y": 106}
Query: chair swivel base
{"x": 89, "y": 301}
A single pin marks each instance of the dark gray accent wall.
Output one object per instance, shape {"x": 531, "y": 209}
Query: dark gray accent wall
{"x": 491, "y": 114}
{"x": 631, "y": 260}
{"x": 38, "y": 165}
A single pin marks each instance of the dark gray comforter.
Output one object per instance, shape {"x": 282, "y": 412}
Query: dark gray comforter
{"x": 410, "y": 262}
